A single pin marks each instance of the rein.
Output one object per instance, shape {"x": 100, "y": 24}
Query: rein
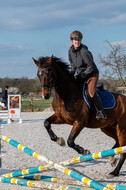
{"x": 52, "y": 84}
{"x": 45, "y": 68}
{"x": 47, "y": 85}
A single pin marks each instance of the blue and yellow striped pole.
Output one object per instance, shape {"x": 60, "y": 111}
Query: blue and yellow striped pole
{"x": 52, "y": 179}
{"x": 18, "y": 181}
{"x": 19, "y": 146}
{"x": 26, "y": 171}
{"x": 67, "y": 171}
{"x": 115, "y": 187}
{"x": 76, "y": 160}
{"x": 67, "y": 181}
{"x": 29, "y": 174}
{"x": 94, "y": 156}
{"x": 42, "y": 185}
{"x": 3, "y": 122}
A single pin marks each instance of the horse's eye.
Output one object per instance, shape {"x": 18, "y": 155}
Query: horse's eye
{"x": 40, "y": 73}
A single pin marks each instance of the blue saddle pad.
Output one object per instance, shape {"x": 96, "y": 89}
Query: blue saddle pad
{"x": 107, "y": 98}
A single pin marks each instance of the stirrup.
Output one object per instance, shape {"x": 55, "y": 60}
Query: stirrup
{"x": 101, "y": 115}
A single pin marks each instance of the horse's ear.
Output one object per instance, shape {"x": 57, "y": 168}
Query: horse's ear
{"x": 50, "y": 60}
{"x": 36, "y": 62}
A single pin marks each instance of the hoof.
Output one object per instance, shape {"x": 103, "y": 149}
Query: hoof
{"x": 60, "y": 141}
{"x": 109, "y": 176}
{"x": 86, "y": 152}
{"x": 113, "y": 174}
{"x": 113, "y": 161}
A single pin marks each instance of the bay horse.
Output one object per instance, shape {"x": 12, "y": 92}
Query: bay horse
{"x": 71, "y": 108}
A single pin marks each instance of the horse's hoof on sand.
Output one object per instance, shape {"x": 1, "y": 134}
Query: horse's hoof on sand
{"x": 60, "y": 141}
{"x": 113, "y": 164}
{"x": 86, "y": 152}
{"x": 113, "y": 161}
{"x": 112, "y": 174}
{"x": 109, "y": 176}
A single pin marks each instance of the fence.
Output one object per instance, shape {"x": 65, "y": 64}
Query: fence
{"x": 33, "y": 103}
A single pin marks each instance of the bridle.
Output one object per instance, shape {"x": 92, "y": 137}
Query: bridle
{"x": 47, "y": 85}
{"x": 52, "y": 84}
{"x": 45, "y": 68}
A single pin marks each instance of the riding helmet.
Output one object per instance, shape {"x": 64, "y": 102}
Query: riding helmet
{"x": 76, "y": 35}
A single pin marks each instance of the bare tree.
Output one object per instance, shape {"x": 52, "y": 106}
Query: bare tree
{"x": 115, "y": 63}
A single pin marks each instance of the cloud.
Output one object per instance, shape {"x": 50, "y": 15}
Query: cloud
{"x": 120, "y": 43}
{"x": 45, "y": 14}
{"x": 9, "y": 50}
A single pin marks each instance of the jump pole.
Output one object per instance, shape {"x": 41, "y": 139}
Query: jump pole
{"x": 115, "y": 187}
{"x": 4, "y": 114}
{"x": 67, "y": 181}
{"x": 19, "y": 182}
{"x": 26, "y": 173}
{"x": 52, "y": 179}
{"x": 79, "y": 177}
{"x": 76, "y": 160}
{"x": 29, "y": 174}
{"x": 58, "y": 167}
{"x": 94, "y": 156}
{"x": 71, "y": 161}
{"x": 0, "y": 147}
{"x": 42, "y": 185}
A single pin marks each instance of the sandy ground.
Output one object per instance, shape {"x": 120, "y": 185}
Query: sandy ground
{"x": 32, "y": 134}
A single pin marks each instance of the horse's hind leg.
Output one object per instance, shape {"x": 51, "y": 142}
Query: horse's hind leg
{"x": 76, "y": 129}
{"x": 121, "y": 133}
{"x": 117, "y": 169}
{"x": 111, "y": 132}
{"x": 112, "y": 159}
{"x": 54, "y": 119}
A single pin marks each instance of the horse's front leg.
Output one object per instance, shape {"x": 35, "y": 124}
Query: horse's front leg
{"x": 76, "y": 129}
{"x": 54, "y": 119}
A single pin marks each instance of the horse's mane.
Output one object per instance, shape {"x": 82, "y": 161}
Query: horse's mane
{"x": 64, "y": 66}
{"x": 43, "y": 60}
{"x": 60, "y": 63}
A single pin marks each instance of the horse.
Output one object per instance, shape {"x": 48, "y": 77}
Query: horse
{"x": 71, "y": 108}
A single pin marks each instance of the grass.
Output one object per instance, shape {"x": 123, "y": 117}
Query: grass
{"x": 35, "y": 104}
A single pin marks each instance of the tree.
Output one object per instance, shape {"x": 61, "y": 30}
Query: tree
{"x": 115, "y": 63}
{"x": 25, "y": 85}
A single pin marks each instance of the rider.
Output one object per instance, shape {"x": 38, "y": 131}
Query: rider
{"x": 82, "y": 65}
{"x": 5, "y": 96}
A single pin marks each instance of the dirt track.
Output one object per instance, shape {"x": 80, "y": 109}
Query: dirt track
{"x": 32, "y": 134}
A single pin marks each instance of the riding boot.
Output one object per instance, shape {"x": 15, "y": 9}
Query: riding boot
{"x": 99, "y": 107}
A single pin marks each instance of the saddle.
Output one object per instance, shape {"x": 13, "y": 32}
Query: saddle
{"x": 107, "y": 98}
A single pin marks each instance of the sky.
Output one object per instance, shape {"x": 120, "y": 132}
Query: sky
{"x": 34, "y": 28}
